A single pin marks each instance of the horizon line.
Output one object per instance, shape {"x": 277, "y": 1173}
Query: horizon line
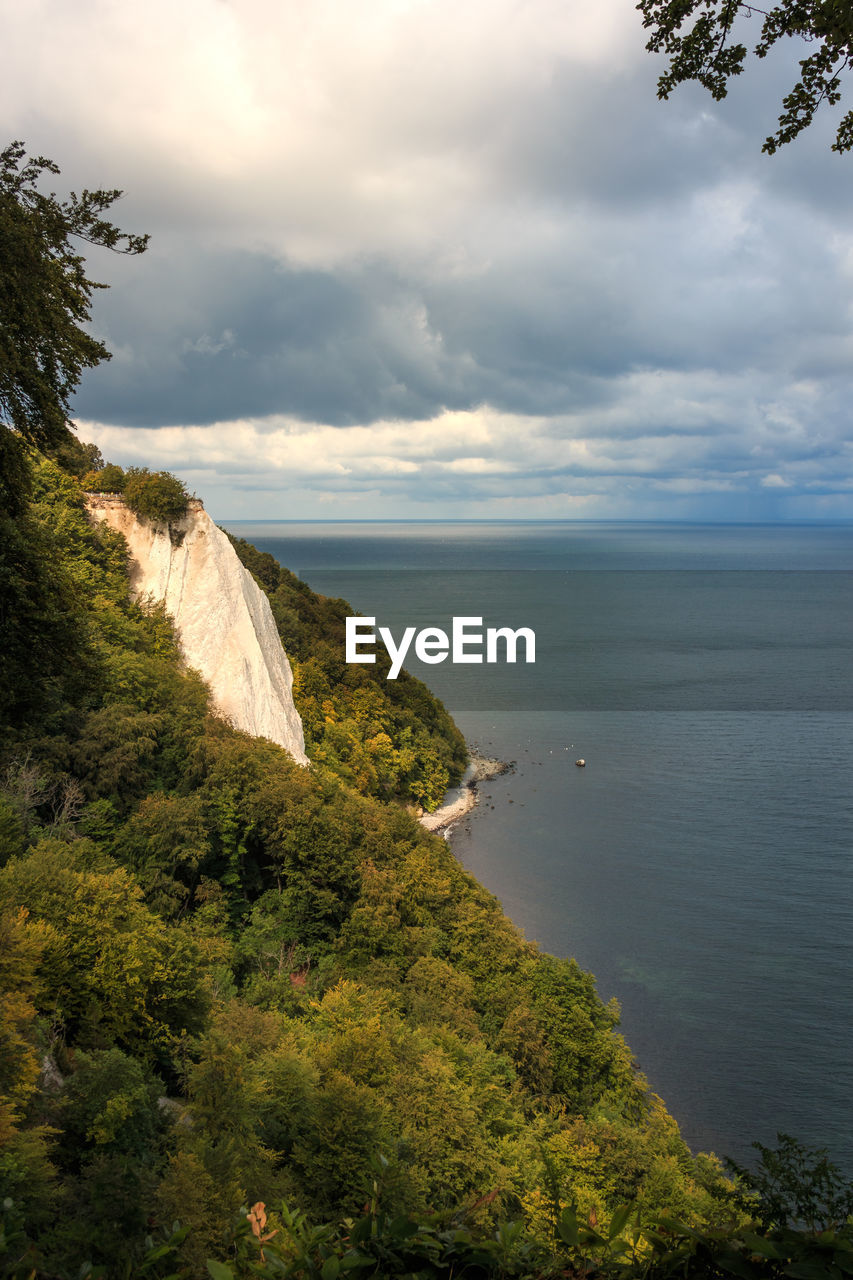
{"x": 747, "y": 524}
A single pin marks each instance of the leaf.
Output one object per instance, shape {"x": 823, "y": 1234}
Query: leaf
{"x": 402, "y": 1228}
{"x": 736, "y": 1265}
{"x": 618, "y": 1221}
{"x": 219, "y": 1270}
{"x": 809, "y": 1269}
{"x": 352, "y": 1261}
{"x": 360, "y": 1229}
{"x": 331, "y": 1267}
{"x": 567, "y": 1228}
{"x": 155, "y": 1255}
{"x": 758, "y": 1244}
{"x": 675, "y": 1227}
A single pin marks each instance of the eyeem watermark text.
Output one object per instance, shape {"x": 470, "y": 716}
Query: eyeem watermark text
{"x": 465, "y": 643}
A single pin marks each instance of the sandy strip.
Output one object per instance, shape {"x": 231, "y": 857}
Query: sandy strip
{"x": 462, "y": 799}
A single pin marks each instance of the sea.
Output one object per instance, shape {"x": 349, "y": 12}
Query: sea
{"x": 700, "y": 864}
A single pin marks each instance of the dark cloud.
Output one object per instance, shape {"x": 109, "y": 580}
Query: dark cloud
{"x": 469, "y": 214}
{"x": 543, "y": 329}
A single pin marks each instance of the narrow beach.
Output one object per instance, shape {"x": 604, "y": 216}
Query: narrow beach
{"x": 462, "y": 799}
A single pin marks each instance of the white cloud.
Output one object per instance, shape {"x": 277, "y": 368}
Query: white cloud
{"x": 476, "y": 462}
{"x": 321, "y": 130}
{"x": 407, "y": 251}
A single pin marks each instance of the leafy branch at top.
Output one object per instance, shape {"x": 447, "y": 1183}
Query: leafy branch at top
{"x": 695, "y": 35}
{"x": 45, "y": 302}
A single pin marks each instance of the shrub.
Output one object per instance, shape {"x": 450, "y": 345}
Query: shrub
{"x": 110, "y": 479}
{"x": 155, "y": 495}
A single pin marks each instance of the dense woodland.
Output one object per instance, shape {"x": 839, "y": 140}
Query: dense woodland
{"x": 254, "y": 1019}
{"x": 227, "y": 981}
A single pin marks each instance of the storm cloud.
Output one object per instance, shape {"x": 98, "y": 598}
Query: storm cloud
{"x": 410, "y": 257}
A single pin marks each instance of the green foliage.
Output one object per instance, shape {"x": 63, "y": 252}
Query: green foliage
{"x": 167, "y": 842}
{"x": 11, "y": 831}
{"x": 108, "y": 479}
{"x": 45, "y": 299}
{"x": 623, "y": 1245}
{"x": 587, "y": 1061}
{"x": 796, "y": 1186}
{"x": 115, "y": 750}
{"x": 70, "y": 639}
{"x": 390, "y": 739}
{"x": 130, "y": 981}
{"x": 108, "y": 1107}
{"x": 697, "y": 36}
{"x": 22, "y": 943}
{"x": 225, "y": 977}
{"x": 43, "y": 636}
{"x": 77, "y": 457}
{"x": 155, "y": 495}
{"x": 375, "y": 1243}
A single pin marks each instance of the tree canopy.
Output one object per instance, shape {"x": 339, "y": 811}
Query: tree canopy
{"x": 224, "y": 977}
{"x": 156, "y": 495}
{"x": 45, "y": 297}
{"x": 228, "y": 980}
{"x": 698, "y": 36}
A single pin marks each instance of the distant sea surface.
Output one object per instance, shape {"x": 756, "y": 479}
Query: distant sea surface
{"x": 701, "y": 864}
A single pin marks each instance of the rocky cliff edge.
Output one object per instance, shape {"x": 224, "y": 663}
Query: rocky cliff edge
{"x": 223, "y": 619}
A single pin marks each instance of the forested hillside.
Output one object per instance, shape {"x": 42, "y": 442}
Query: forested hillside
{"x": 254, "y": 1019}
{"x": 229, "y": 979}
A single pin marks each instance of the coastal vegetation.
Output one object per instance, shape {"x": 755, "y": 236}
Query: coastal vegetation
{"x": 154, "y": 495}
{"x": 229, "y": 980}
{"x": 45, "y": 302}
{"x": 386, "y": 738}
{"x": 254, "y": 1018}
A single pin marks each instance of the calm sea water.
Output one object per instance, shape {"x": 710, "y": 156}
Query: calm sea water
{"x": 701, "y": 865}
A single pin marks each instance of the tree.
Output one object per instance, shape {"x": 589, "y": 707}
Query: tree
{"x": 155, "y": 495}
{"x": 45, "y": 298}
{"x": 796, "y": 1186}
{"x": 130, "y": 980}
{"x": 697, "y": 37}
{"x": 108, "y": 479}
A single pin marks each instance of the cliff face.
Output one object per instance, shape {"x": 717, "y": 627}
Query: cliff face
{"x": 222, "y": 617}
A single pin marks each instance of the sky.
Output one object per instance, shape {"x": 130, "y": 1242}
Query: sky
{"x": 447, "y": 259}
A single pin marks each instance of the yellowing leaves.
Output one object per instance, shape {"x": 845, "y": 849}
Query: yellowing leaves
{"x": 105, "y": 959}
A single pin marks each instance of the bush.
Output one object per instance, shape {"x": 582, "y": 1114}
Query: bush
{"x": 109, "y": 479}
{"x": 155, "y": 495}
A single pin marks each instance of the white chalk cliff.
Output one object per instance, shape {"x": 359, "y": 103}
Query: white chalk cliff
{"x": 223, "y": 619}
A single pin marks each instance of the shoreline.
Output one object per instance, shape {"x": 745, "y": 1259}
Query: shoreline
{"x": 459, "y": 801}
